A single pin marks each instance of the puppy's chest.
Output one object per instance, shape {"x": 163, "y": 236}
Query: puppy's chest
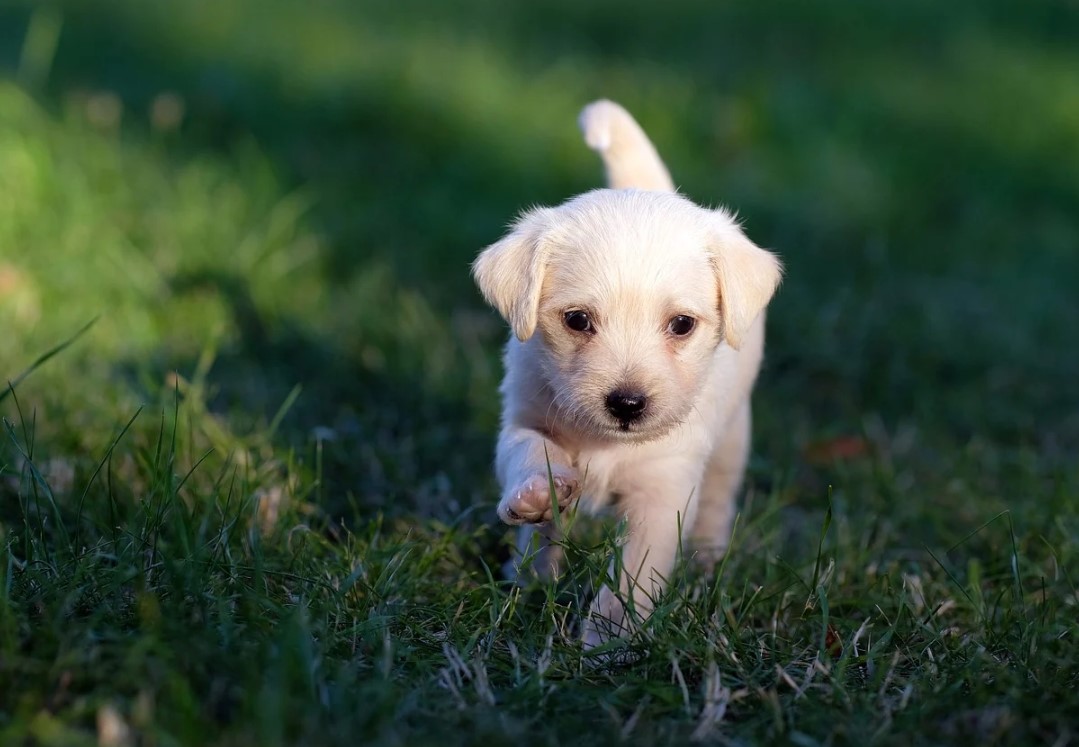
{"x": 605, "y": 476}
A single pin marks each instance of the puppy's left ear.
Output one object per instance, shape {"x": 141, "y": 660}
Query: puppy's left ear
{"x": 748, "y": 277}
{"x": 510, "y": 272}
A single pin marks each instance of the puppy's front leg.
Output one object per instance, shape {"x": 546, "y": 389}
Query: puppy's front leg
{"x": 723, "y": 478}
{"x": 522, "y": 460}
{"x": 659, "y": 511}
{"x": 521, "y": 464}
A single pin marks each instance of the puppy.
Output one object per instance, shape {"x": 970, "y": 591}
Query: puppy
{"x": 638, "y": 329}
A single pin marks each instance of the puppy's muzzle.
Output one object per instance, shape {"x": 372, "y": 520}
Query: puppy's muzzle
{"x": 626, "y": 406}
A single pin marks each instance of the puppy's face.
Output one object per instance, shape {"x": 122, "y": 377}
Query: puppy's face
{"x": 626, "y": 295}
{"x": 628, "y": 324}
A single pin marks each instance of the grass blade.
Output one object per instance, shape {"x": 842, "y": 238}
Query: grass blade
{"x": 45, "y": 357}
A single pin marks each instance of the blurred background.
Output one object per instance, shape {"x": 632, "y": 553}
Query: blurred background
{"x": 270, "y": 207}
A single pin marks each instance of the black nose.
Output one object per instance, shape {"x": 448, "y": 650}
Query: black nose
{"x": 626, "y": 406}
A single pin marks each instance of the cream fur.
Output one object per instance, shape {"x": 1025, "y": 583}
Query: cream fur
{"x": 633, "y": 257}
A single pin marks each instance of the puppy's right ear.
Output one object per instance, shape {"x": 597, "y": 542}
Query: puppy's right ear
{"x": 510, "y": 272}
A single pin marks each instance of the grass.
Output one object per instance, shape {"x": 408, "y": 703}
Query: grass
{"x": 252, "y": 503}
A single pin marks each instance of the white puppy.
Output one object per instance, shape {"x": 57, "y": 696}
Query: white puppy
{"x": 638, "y": 330}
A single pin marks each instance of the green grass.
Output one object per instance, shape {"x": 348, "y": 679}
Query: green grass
{"x": 253, "y": 504}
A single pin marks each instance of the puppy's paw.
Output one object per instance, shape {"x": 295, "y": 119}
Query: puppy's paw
{"x": 530, "y": 501}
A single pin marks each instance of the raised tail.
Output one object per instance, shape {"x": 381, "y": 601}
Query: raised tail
{"x": 628, "y": 155}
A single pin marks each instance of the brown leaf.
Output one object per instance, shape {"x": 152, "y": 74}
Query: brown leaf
{"x": 833, "y": 644}
{"x": 840, "y": 448}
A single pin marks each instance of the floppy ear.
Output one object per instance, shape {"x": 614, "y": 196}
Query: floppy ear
{"x": 510, "y": 272}
{"x": 748, "y": 277}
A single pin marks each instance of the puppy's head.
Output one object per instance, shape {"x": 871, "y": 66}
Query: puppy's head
{"x": 626, "y": 294}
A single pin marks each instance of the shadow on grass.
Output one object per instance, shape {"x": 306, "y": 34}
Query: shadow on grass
{"x": 377, "y": 438}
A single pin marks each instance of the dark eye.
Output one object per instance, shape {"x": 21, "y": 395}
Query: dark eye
{"x": 680, "y": 326}
{"x": 578, "y": 321}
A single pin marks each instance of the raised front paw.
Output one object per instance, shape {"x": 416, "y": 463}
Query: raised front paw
{"x": 530, "y": 501}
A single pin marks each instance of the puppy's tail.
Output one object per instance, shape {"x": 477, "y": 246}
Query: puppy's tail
{"x": 628, "y": 155}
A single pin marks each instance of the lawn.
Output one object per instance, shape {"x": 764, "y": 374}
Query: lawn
{"x": 252, "y": 503}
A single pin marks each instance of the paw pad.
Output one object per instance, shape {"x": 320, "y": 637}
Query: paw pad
{"x": 530, "y": 502}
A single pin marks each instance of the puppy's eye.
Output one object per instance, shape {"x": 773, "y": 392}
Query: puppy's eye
{"x": 680, "y": 325}
{"x": 578, "y": 321}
